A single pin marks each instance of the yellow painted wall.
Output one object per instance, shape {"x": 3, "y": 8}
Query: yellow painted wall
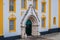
{"x": 49, "y": 8}
{"x": 1, "y": 17}
{"x": 59, "y": 14}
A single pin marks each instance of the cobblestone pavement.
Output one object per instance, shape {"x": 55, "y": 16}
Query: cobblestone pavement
{"x": 35, "y": 38}
{"x": 52, "y": 36}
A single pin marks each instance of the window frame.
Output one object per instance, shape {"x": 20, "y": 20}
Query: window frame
{"x": 14, "y": 10}
{"x": 44, "y": 26}
{"x": 44, "y": 3}
{"x": 25, "y": 5}
{"x": 36, "y": 4}
{"x": 14, "y": 19}
{"x": 54, "y": 20}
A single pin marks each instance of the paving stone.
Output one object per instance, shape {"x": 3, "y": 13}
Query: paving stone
{"x": 52, "y": 36}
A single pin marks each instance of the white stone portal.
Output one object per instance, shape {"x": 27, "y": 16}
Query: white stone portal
{"x": 34, "y": 27}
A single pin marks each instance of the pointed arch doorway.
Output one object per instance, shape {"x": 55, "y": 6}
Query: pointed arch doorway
{"x": 31, "y": 26}
{"x": 28, "y": 27}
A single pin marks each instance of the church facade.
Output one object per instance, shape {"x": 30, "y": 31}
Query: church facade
{"x": 29, "y": 17}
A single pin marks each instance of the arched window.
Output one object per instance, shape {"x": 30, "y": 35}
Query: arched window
{"x": 12, "y": 5}
{"x": 12, "y": 23}
{"x": 54, "y": 20}
{"x": 35, "y": 4}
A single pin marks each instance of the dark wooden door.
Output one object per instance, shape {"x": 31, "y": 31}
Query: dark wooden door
{"x": 28, "y": 27}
